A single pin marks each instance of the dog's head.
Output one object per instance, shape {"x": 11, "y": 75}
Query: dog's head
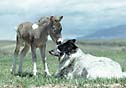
{"x": 67, "y": 48}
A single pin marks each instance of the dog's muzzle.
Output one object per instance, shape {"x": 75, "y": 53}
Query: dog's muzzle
{"x": 55, "y": 52}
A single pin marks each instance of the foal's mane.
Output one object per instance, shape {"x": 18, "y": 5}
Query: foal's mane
{"x": 43, "y": 20}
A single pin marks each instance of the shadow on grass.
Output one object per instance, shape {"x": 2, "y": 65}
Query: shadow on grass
{"x": 24, "y": 74}
{"x": 29, "y": 74}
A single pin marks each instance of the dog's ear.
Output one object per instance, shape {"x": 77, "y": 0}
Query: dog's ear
{"x": 72, "y": 40}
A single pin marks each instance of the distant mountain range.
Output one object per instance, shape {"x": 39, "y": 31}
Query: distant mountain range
{"x": 113, "y": 32}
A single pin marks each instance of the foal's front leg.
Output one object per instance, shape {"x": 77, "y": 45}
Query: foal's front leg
{"x": 42, "y": 51}
{"x": 34, "y": 59}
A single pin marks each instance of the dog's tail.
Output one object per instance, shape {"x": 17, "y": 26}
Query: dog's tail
{"x": 124, "y": 74}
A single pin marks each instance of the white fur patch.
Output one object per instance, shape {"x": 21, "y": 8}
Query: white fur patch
{"x": 35, "y": 26}
{"x": 60, "y": 40}
{"x": 34, "y": 69}
{"x": 101, "y": 67}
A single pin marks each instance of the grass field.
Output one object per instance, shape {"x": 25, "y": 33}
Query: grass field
{"x": 115, "y": 49}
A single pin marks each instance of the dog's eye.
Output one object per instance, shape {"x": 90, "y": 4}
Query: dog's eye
{"x": 54, "y": 30}
{"x": 62, "y": 48}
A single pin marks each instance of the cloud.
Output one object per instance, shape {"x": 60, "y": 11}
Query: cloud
{"x": 87, "y": 8}
{"x": 82, "y": 15}
{"x": 29, "y": 5}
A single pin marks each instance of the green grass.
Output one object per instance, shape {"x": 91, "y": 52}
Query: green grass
{"x": 7, "y": 80}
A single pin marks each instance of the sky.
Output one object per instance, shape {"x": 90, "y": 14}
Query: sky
{"x": 81, "y": 17}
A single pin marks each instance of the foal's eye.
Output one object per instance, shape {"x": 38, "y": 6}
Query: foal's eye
{"x": 55, "y": 31}
{"x": 55, "y": 20}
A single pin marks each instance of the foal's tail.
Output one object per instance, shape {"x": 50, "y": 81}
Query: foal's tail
{"x": 18, "y": 30}
{"x": 19, "y": 36}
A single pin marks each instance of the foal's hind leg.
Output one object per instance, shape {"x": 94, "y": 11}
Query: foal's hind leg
{"x": 17, "y": 49}
{"x": 42, "y": 51}
{"x": 22, "y": 55}
{"x": 13, "y": 70}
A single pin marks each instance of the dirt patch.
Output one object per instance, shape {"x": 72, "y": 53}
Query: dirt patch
{"x": 56, "y": 86}
{"x": 82, "y": 86}
{"x": 11, "y": 86}
{"x": 116, "y": 85}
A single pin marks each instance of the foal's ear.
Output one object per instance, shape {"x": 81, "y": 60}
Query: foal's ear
{"x": 61, "y": 17}
{"x": 51, "y": 18}
{"x": 73, "y": 40}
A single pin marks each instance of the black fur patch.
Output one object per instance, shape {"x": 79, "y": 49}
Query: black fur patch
{"x": 68, "y": 47}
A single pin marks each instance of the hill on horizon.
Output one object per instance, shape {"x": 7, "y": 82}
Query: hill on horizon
{"x": 108, "y": 33}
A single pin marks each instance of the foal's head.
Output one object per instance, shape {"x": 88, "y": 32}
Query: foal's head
{"x": 56, "y": 28}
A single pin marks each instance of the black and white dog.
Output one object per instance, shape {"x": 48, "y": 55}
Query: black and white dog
{"x": 74, "y": 63}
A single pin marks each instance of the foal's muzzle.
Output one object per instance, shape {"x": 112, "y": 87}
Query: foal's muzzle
{"x": 59, "y": 41}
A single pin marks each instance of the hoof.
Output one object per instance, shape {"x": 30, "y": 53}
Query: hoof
{"x": 12, "y": 72}
{"x": 34, "y": 74}
{"x": 20, "y": 73}
{"x": 47, "y": 74}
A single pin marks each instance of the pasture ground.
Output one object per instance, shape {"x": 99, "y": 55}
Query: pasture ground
{"x": 115, "y": 49}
